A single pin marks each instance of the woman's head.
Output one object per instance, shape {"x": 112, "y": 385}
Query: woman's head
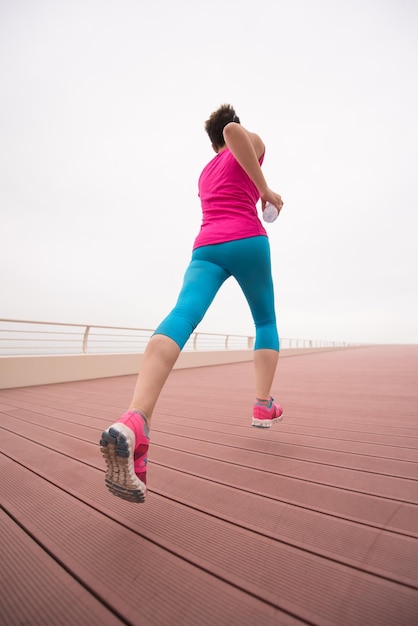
{"x": 216, "y": 123}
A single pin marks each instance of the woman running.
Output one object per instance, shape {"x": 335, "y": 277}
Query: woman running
{"x": 232, "y": 242}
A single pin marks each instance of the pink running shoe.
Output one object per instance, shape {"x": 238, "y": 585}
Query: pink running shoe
{"x": 266, "y": 413}
{"x": 124, "y": 447}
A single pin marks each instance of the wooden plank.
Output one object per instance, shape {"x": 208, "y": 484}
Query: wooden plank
{"x": 189, "y": 535}
{"x": 36, "y": 590}
{"x": 361, "y": 507}
{"x": 314, "y": 521}
{"x": 144, "y": 582}
{"x": 392, "y": 460}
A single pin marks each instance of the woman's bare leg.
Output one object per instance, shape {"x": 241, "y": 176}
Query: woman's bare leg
{"x": 265, "y": 363}
{"x": 157, "y": 362}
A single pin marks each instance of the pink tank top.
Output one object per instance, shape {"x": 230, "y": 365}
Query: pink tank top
{"x": 228, "y": 197}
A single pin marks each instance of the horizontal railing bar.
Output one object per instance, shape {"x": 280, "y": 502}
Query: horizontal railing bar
{"x": 14, "y": 321}
{"x": 84, "y": 338}
{"x": 117, "y": 336}
{"x": 44, "y": 340}
{"x": 37, "y": 332}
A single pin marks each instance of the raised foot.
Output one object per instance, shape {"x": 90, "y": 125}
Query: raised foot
{"x": 117, "y": 446}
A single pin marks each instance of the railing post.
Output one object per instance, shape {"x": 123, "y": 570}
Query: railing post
{"x": 85, "y": 339}
{"x": 195, "y": 341}
{"x": 226, "y": 342}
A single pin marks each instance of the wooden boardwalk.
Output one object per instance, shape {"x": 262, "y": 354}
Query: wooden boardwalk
{"x": 314, "y": 521}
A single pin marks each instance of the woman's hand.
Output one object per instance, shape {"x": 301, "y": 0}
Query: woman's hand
{"x": 271, "y": 196}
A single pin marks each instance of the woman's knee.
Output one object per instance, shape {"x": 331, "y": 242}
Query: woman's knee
{"x": 267, "y": 337}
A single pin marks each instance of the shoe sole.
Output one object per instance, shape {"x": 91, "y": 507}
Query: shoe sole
{"x": 117, "y": 448}
{"x": 257, "y": 423}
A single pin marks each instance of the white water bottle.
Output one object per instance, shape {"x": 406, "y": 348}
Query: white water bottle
{"x": 270, "y": 213}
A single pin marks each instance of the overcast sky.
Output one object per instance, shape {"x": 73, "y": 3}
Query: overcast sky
{"x": 102, "y": 141}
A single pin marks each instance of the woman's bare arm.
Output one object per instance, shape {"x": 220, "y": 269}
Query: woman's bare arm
{"x": 247, "y": 148}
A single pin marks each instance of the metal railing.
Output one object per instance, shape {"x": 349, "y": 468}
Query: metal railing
{"x": 28, "y": 337}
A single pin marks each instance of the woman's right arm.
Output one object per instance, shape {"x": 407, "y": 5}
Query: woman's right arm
{"x": 247, "y": 148}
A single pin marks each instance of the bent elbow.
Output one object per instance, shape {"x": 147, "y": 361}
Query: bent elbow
{"x": 232, "y": 129}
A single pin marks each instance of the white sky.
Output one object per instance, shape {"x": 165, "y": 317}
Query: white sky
{"x": 101, "y": 131}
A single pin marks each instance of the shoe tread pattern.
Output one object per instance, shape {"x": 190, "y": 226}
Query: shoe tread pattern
{"x": 120, "y": 476}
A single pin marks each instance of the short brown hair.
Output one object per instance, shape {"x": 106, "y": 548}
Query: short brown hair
{"x": 217, "y": 121}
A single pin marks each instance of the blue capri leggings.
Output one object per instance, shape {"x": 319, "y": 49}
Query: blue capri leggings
{"x": 248, "y": 261}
